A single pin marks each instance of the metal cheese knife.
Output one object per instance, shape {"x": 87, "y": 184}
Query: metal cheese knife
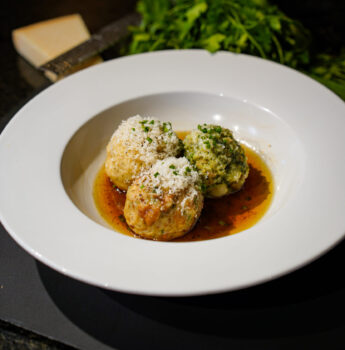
{"x": 103, "y": 39}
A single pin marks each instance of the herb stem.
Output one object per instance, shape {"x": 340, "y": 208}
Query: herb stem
{"x": 279, "y": 49}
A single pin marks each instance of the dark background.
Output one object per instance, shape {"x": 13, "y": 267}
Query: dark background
{"x": 42, "y": 309}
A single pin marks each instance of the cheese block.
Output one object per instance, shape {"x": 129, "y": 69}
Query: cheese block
{"x": 41, "y": 42}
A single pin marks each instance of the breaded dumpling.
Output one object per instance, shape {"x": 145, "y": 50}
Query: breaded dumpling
{"x": 219, "y": 159}
{"x": 136, "y": 145}
{"x": 165, "y": 202}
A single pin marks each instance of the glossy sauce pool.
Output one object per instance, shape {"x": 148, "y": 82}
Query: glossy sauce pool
{"x": 220, "y": 217}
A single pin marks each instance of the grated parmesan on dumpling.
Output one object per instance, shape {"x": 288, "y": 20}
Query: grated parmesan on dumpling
{"x": 136, "y": 145}
{"x": 165, "y": 201}
{"x": 171, "y": 175}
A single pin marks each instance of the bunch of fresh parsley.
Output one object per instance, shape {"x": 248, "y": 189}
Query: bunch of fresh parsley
{"x": 253, "y": 27}
{"x": 329, "y": 70}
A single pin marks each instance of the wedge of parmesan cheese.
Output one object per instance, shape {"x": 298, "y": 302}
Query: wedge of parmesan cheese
{"x": 41, "y": 42}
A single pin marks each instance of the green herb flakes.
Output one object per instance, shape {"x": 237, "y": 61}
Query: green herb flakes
{"x": 204, "y": 130}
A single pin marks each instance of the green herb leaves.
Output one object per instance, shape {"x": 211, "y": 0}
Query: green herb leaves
{"x": 254, "y": 27}
{"x": 249, "y": 26}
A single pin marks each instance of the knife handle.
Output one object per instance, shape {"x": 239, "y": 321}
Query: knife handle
{"x": 100, "y": 41}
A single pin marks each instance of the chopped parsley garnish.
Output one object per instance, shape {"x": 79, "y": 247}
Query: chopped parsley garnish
{"x": 142, "y": 186}
{"x": 133, "y": 129}
{"x": 149, "y": 139}
{"x": 146, "y": 128}
{"x": 207, "y": 143}
{"x": 172, "y": 166}
{"x": 166, "y": 127}
{"x": 152, "y": 122}
{"x": 187, "y": 170}
{"x": 156, "y": 174}
{"x": 204, "y": 130}
{"x": 175, "y": 172}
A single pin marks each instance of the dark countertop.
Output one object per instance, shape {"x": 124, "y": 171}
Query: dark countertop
{"x": 42, "y": 309}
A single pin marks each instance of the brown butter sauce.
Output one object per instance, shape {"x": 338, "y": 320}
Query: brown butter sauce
{"x": 220, "y": 217}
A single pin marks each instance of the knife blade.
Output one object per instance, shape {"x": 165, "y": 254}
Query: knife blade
{"x": 98, "y": 42}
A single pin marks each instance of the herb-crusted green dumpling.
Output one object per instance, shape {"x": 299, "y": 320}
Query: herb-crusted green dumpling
{"x": 219, "y": 159}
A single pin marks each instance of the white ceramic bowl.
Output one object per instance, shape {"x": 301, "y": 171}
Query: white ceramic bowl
{"x": 52, "y": 149}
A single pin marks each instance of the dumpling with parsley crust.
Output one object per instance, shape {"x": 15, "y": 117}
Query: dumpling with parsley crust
{"x": 136, "y": 145}
{"x": 165, "y": 202}
{"x": 219, "y": 159}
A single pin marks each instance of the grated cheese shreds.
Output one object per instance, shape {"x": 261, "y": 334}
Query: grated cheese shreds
{"x": 149, "y": 138}
{"x": 173, "y": 176}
